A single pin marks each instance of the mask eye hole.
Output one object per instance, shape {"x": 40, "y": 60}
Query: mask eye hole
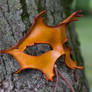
{"x": 37, "y": 49}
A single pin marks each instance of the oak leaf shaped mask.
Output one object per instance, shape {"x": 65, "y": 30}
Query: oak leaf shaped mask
{"x": 55, "y": 36}
{"x": 69, "y": 62}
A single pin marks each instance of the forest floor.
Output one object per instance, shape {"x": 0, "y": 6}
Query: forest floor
{"x": 84, "y": 30}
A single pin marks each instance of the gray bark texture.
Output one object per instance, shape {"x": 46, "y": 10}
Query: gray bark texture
{"x": 16, "y": 17}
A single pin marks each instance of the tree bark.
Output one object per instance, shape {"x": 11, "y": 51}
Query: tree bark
{"x": 16, "y": 17}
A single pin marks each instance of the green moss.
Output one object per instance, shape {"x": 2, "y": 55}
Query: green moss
{"x": 39, "y": 5}
{"x": 67, "y": 6}
{"x": 24, "y": 15}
